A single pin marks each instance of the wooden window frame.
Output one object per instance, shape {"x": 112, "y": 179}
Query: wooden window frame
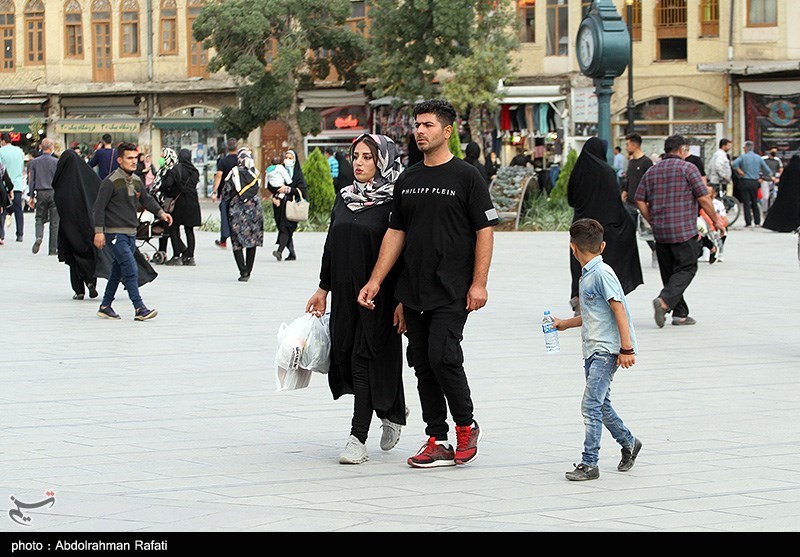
{"x": 709, "y": 27}
{"x": 123, "y": 24}
{"x": 93, "y": 21}
{"x": 173, "y": 19}
{"x": 31, "y": 34}
{"x": 556, "y": 8}
{"x": 747, "y": 16}
{"x": 524, "y": 7}
{"x": 194, "y": 70}
{"x": 13, "y": 36}
{"x": 77, "y": 27}
{"x": 636, "y": 16}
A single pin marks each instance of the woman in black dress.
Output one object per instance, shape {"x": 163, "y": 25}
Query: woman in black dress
{"x": 292, "y": 192}
{"x": 366, "y": 354}
{"x": 593, "y": 192}
{"x": 182, "y": 180}
{"x": 784, "y": 215}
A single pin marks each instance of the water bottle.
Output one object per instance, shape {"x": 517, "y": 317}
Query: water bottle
{"x": 550, "y": 333}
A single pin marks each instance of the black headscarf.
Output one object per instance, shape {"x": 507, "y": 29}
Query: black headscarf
{"x": 593, "y": 192}
{"x": 784, "y": 215}
{"x": 187, "y": 172}
{"x": 471, "y": 155}
{"x": 75, "y": 187}
{"x": 346, "y": 175}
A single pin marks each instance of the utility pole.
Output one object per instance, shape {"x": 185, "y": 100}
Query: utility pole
{"x": 631, "y": 106}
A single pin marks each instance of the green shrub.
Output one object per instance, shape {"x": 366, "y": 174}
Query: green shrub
{"x": 540, "y": 213}
{"x": 319, "y": 180}
{"x": 455, "y": 144}
{"x": 559, "y": 193}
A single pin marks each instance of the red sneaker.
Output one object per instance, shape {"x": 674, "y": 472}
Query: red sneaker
{"x": 432, "y": 455}
{"x": 467, "y": 443}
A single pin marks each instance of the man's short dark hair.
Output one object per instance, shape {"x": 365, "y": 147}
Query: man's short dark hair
{"x": 5, "y": 136}
{"x": 232, "y": 144}
{"x": 125, "y": 146}
{"x": 634, "y": 138}
{"x": 618, "y": 149}
{"x": 587, "y": 235}
{"x": 723, "y": 142}
{"x": 442, "y": 109}
{"x": 106, "y": 138}
{"x": 674, "y": 142}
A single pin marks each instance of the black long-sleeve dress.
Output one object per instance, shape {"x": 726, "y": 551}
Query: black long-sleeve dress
{"x": 351, "y": 251}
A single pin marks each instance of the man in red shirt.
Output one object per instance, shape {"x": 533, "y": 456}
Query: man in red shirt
{"x": 668, "y": 197}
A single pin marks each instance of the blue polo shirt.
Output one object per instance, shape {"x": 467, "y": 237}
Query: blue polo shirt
{"x": 597, "y": 286}
{"x": 752, "y": 165}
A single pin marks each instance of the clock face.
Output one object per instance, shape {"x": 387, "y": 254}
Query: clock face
{"x": 586, "y": 48}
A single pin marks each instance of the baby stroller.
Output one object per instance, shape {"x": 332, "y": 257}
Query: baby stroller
{"x": 148, "y": 231}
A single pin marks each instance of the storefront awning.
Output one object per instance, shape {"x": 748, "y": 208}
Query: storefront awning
{"x": 327, "y": 98}
{"x": 184, "y": 123}
{"x": 98, "y": 125}
{"x": 530, "y": 94}
{"x": 23, "y": 100}
{"x": 21, "y": 125}
{"x": 751, "y": 67}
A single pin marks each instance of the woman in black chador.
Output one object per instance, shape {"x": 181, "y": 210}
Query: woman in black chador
{"x": 784, "y": 215}
{"x": 180, "y": 183}
{"x": 593, "y": 192}
{"x": 366, "y": 354}
{"x": 293, "y": 191}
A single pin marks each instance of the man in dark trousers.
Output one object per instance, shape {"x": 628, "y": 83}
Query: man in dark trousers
{"x": 638, "y": 163}
{"x": 224, "y": 166}
{"x": 105, "y": 158}
{"x": 40, "y": 195}
{"x": 116, "y": 222}
{"x": 442, "y": 225}
{"x": 668, "y": 198}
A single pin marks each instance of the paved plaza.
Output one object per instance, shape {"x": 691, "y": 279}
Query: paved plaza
{"x": 175, "y": 424}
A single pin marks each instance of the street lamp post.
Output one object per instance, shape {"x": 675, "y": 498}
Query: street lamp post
{"x": 629, "y": 13}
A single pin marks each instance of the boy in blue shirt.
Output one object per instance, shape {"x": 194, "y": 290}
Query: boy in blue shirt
{"x": 608, "y": 342}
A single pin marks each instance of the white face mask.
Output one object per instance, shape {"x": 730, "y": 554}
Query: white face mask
{"x": 288, "y": 162}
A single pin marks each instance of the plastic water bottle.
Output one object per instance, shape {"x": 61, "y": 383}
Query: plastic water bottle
{"x": 550, "y": 333}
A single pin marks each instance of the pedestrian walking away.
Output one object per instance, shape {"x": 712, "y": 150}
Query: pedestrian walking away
{"x": 442, "y": 225}
{"x": 180, "y": 185}
{"x": 116, "y": 222}
{"x": 367, "y": 351}
{"x": 105, "y": 158}
{"x": 40, "y": 195}
{"x": 608, "y": 342}
{"x": 638, "y": 163}
{"x": 246, "y": 218}
{"x": 13, "y": 160}
{"x": 224, "y": 167}
{"x": 593, "y": 192}
{"x": 670, "y": 196}
{"x": 751, "y": 167}
{"x": 75, "y": 187}
{"x": 784, "y": 215}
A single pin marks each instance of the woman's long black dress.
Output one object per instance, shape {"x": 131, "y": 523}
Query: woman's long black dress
{"x": 784, "y": 215}
{"x": 351, "y": 250}
{"x": 286, "y": 227}
{"x": 593, "y": 192}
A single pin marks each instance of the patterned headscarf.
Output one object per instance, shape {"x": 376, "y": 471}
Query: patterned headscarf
{"x": 380, "y": 188}
{"x": 246, "y": 171}
{"x": 170, "y": 160}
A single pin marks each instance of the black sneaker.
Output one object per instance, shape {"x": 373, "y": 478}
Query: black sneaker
{"x": 143, "y": 314}
{"x": 244, "y": 278}
{"x": 36, "y": 245}
{"x": 77, "y": 297}
{"x": 189, "y": 261}
{"x": 92, "y": 291}
{"x": 629, "y": 456}
{"x": 583, "y": 472}
{"x": 277, "y": 255}
{"x": 107, "y": 312}
{"x": 177, "y": 260}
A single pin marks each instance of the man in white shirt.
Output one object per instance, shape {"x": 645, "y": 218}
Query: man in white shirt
{"x": 719, "y": 168}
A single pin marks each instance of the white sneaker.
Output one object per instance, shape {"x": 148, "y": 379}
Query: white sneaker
{"x": 391, "y": 434}
{"x": 355, "y": 452}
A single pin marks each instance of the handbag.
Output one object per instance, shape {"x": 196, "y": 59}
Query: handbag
{"x": 297, "y": 210}
{"x": 169, "y": 203}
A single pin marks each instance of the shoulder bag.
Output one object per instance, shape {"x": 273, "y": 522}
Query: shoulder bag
{"x": 297, "y": 210}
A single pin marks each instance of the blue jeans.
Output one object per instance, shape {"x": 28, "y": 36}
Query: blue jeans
{"x": 123, "y": 268}
{"x": 596, "y": 407}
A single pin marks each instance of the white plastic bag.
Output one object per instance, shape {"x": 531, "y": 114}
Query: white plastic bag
{"x": 316, "y": 354}
{"x": 292, "y": 340}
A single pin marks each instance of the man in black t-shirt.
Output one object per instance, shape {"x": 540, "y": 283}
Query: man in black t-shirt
{"x": 224, "y": 166}
{"x": 442, "y": 224}
{"x": 638, "y": 164}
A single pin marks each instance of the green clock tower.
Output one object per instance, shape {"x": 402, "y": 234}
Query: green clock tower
{"x": 603, "y": 52}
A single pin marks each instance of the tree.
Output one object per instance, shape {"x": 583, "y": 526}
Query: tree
{"x": 454, "y": 143}
{"x": 472, "y": 84}
{"x": 273, "y": 46}
{"x": 319, "y": 180}
{"x": 559, "y": 193}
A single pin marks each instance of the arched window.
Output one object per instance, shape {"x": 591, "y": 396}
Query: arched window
{"x": 34, "y": 33}
{"x": 169, "y": 27}
{"x": 73, "y": 29}
{"x": 7, "y": 35}
{"x": 102, "y": 70}
{"x": 129, "y": 28}
{"x": 197, "y": 55}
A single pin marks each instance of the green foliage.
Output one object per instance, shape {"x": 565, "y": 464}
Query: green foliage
{"x": 454, "y": 143}
{"x": 320, "y": 185}
{"x": 540, "y": 213}
{"x": 559, "y": 193}
{"x": 243, "y": 32}
{"x": 310, "y": 122}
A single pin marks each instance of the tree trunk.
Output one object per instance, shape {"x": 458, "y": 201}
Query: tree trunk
{"x": 475, "y": 129}
{"x": 294, "y": 136}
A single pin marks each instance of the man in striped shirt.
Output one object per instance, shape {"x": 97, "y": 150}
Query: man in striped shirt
{"x": 668, "y": 197}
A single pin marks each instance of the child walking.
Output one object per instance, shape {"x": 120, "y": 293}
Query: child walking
{"x": 608, "y": 342}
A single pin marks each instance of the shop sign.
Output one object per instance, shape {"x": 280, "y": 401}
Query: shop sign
{"x": 773, "y": 122}
{"x": 97, "y": 127}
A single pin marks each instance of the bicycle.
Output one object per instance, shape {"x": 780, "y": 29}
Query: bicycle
{"x": 733, "y": 207}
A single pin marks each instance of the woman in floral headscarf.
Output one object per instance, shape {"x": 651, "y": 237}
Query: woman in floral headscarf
{"x": 162, "y": 191}
{"x": 366, "y": 354}
{"x": 245, "y": 216}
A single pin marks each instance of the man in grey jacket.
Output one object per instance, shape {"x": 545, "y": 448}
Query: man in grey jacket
{"x": 40, "y": 194}
{"x": 116, "y": 222}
